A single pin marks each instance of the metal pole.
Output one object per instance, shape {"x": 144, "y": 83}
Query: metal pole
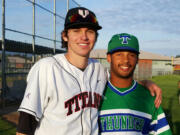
{"x": 33, "y": 37}
{"x": 54, "y": 26}
{"x": 67, "y": 5}
{"x": 3, "y": 60}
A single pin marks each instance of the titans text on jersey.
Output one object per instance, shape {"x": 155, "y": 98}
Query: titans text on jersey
{"x": 82, "y": 100}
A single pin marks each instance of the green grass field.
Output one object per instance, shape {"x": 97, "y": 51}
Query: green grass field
{"x": 7, "y": 128}
{"x": 169, "y": 85}
{"x": 170, "y": 105}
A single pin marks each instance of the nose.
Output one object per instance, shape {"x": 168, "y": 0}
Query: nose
{"x": 84, "y": 35}
{"x": 126, "y": 58}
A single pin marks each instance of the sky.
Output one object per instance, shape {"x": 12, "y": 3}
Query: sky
{"x": 156, "y": 23}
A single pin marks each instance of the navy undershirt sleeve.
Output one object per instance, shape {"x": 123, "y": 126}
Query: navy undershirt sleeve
{"x": 27, "y": 124}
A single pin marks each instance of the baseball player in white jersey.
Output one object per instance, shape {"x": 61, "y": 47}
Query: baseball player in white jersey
{"x": 64, "y": 91}
{"x": 64, "y": 99}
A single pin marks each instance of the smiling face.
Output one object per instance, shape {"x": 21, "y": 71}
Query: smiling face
{"x": 80, "y": 41}
{"x": 122, "y": 63}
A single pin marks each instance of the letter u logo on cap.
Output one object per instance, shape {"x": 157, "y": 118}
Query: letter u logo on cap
{"x": 83, "y": 13}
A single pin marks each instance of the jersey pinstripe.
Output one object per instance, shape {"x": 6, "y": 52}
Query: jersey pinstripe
{"x": 131, "y": 111}
{"x": 63, "y": 98}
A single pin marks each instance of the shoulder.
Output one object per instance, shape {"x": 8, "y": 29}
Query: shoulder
{"x": 141, "y": 87}
{"x": 98, "y": 65}
{"x": 96, "y": 62}
{"x": 48, "y": 61}
{"x": 51, "y": 60}
{"x": 145, "y": 100}
{"x": 144, "y": 92}
{"x": 44, "y": 65}
{"x": 99, "y": 69}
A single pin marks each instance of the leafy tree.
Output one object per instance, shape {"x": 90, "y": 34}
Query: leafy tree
{"x": 177, "y": 56}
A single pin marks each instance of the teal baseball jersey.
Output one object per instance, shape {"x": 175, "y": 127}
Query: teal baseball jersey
{"x": 131, "y": 111}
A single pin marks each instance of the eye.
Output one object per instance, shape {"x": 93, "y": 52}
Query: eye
{"x": 76, "y": 30}
{"x": 118, "y": 54}
{"x": 133, "y": 55}
{"x": 91, "y": 31}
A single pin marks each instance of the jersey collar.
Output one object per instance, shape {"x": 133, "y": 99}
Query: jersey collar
{"x": 117, "y": 91}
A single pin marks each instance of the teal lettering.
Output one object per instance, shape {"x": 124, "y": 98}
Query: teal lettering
{"x": 109, "y": 125}
{"x": 124, "y": 122}
{"x": 136, "y": 123}
{"x": 130, "y": 122}
{"x": 141, "y": 124}
{"x": 117, "y": 122}
{"x": 121, "y": 122}
{"x": 102, "y": 120}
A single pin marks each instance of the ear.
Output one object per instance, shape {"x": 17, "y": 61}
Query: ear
{"x": 64, "y": 36}
{"x": 137, "y": 60}
{"x": 109, "y": 58}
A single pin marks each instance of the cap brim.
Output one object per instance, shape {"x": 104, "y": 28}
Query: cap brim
{"x": 83, "y": 24}
{"x": 123, "y": 49}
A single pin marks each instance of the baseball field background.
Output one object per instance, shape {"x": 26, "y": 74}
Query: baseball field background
{"x": 170, "y": 104}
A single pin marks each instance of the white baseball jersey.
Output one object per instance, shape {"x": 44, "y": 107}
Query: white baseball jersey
{"x": 63, "y": 98}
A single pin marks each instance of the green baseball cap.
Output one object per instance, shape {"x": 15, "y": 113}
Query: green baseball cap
{"x": 123, "y": 41}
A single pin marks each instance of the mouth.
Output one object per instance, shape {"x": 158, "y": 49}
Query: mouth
{"x": 83, "y": 44}
{"x": 125, "y": 68}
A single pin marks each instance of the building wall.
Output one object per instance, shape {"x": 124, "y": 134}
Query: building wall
{"x": 161, "y": 67}
{"x": 144, "y": 69}
{"x": 177, "y": 67}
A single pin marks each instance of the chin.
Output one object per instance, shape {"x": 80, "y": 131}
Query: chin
{"x": 85, "y": 55}
{"x": 126, "y": 76}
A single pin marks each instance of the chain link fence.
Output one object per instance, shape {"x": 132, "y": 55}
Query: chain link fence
{"x": 29, "y": 21}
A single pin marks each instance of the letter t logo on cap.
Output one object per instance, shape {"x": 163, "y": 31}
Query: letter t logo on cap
{"x": 125, "y": 39}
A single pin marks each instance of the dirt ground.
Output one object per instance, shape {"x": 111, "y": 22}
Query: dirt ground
{"x": 11, "y": 117}
{"x": 10, "y": 114}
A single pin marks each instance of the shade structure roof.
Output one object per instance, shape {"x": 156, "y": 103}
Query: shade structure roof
{"x": 17, "y": 46}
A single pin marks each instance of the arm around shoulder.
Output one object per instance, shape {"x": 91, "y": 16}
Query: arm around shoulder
{"x": 154, "y": 89}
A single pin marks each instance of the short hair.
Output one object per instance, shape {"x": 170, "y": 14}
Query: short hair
{"x": 64, "y": 43}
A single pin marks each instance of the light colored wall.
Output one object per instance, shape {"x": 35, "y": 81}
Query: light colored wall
{"x": 161, "y": 67}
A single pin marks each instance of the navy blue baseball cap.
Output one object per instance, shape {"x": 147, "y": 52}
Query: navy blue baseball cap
{"x": 79, "y": 17}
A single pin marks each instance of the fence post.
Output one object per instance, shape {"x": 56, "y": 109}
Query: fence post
{"x": 54, "y": 26}
{"x": 33, "y": 37}
{"x": 3, "y": 58}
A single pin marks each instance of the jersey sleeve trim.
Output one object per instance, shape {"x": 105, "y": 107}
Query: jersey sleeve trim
{"x": 160, "y": 125}
{"x": 163, "y": 129}
{"x": 29, "y": 112}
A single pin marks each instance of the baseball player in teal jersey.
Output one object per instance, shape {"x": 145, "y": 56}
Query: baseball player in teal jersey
{"x": 127, "y": 107}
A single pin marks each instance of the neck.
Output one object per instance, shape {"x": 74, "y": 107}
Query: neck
{"x": 77, "y": 61}
{"x": 121, "y": 82}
